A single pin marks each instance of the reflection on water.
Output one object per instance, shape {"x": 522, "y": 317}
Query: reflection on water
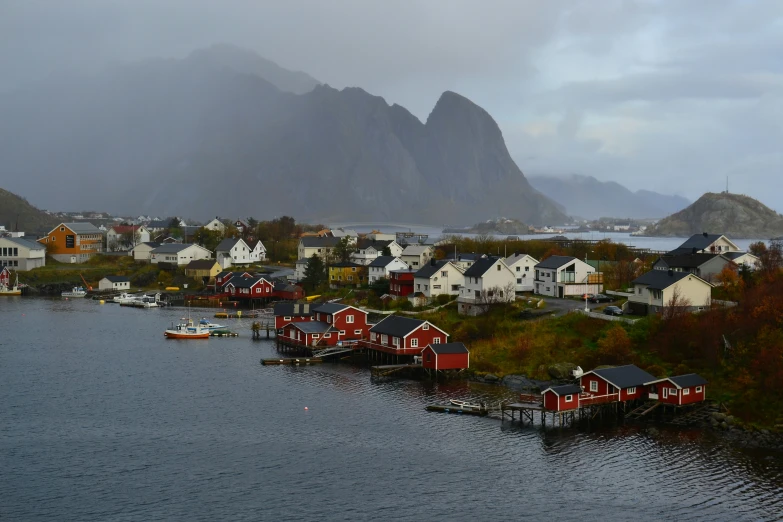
{"x": 105, "y": 419}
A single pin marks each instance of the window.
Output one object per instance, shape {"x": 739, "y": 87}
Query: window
{"x": 444, "y": 273}
{"x": 315, "y": 336}
{"x": 631, "y": 391}
{"x": 350, "y": 278}
{"x": 436, "y": 287}
{"x": 327, "y": 336}
{"x": 425, "y": 326}
{"x": 527, "y": 269}
{"x": 414, "y": 343}
{"x": 328, "y": 318}
{"x": 342, "y": 332}
{"x": 374, "y": 337}
{"x": 348, "y": 318}
{"x": 62, "y": 229}
{"x": 498, "y": 268}
{"x": 518, "y": 268}
{"x": 53, "y": 238}
{"x": 686, "y": 391}
{"x": 396, "y": 341}
{"x": 436, "y": 340}
{"x": 384, "y": 339}
{"x": 698, "y": 389}
{"x": 593, "y": 386}
{"x": 569, "y": 398}
{"x": 639, "y": 290}
{"x": 672, "y": 391}
{"x": 357, "y": 332}
{"x": 333, "y": 277}
{"x": 519, "y": 280}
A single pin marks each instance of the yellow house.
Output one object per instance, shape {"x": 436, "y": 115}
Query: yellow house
{"x": 206, "y": 269}
{"x": 347, "y": 274}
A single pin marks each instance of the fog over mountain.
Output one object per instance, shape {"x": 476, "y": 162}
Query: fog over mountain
{"x": 586, "y": 197}
{"x": 224, "y": 132}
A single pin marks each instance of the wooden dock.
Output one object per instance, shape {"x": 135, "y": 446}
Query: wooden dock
{"x": 451, "y": 408}
{"x": 291, "y": 361}
{"x": 388, "y": 369}
{"x": 223, "y": 334}
{"x": 239, "y": 314}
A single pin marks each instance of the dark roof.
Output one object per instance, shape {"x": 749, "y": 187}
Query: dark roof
{"x": 315, "y": 242}
{"x": 244, "y": 282}
{"x": 688, "y": 380}
{"x": 449, "y": 348}
{"x": 733, "y": 255}
{"x": 201, "y": 264}
{"x": 159, "y": 223}
{"x": 430, "y": 269}
{"x": 153, "y": 244}
{"x": 686, "y": 260}
{"x": 117, "y": 279}
{"x": 382, "y": 261}
{"x": 472, "y": 256}
{"x": 661, "y": 279}
{"x": 625, "y": 376}
{"x": 227, "y": 244}
{"x": 397, "y": 325}
{"x": 280, "y": 286}
{"x": 329, "y": 308}
{"x": 378, "y": 244}
{"x": 225, "y": 273}
{"x": 481, "y": 266}
{"x": 313, "y": 326}
{"x": 555, "y": 261}
{"x": 700, "y": 241}
{"x": 288, "y": 309}
{"x": 565, "y": 389}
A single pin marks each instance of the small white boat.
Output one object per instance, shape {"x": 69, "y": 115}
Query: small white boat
{"x": 77, "y": 291}
{"x": 124, "y": 298}
{"x": 468, "y": 406}
{"x": 204, "y": 324}
{"x": 186, "y": 330}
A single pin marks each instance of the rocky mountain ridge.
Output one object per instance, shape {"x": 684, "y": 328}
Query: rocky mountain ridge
{"x": 734, "y": 215}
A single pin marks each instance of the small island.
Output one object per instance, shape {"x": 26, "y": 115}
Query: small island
{"x": 500, "y": 226}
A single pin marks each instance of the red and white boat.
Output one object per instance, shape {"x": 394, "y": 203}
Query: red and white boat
{"x": 186, "y": 330}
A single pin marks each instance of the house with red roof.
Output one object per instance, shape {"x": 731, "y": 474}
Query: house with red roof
{"x": 120, "y": 238}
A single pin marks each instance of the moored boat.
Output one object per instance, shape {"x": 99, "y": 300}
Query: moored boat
{"x": 466, "y": 405}
{"x": 77, "y": 291}
{"x": 186, "y": 330}
{"x": 7, "y": 289}
{"x": 204, "y": 324}
{"x": 124, "y": 298}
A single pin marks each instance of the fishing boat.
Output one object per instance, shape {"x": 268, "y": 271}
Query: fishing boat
{"x": 204, "y": 324}
{"x": 466, "y": 406}
{"x": 186, "y": 330}
{"x": 6, "y": 289}
{"x": 77, "y": 291}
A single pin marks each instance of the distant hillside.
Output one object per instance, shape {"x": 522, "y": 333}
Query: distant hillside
{"x": 586, "y": 197}
{"x": 731, "y": 214}
{"x": 16, "y": 210}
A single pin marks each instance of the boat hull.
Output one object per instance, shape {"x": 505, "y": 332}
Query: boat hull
{"x": 171, "y": 334}
{"x": 11, "y": 292}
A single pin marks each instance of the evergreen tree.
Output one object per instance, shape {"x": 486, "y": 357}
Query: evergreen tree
{"x": 315, "y": 272}
{"x": 386, "y": 251}
{"x": 344, "y": 249}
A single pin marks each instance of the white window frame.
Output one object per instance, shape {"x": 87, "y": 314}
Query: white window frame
{"x": 686, "y": 391}
{"x": 436, "y": 340}
{"x": 698, "y": 389}
{"x": 673, "y": 391}
{"x": 342, "y": 332}
{"x": 414, "y": 343}
{"x": 349, "y": 319}
{"x": 357, "y": 332}
{"x": 396, "y": 341}
{"x": 569, "y": 398}
{"x": 425, "y": 326}
{"x": 594, "y": 386}
{"x": 327, "y": 336}
{"x": 631, "y": 390}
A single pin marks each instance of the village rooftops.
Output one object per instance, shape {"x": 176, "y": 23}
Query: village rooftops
{"x": 448, "y": 348}
{"x": 280, "y": 286}
{"x": 699, "y": 242}
{"x": 117, "y": 279}
{"x": 311, "y": 327}
{"x": 555, "y": 262}
{"x": 415, "y": 250}
{"x": 291, "y": 309}
{"x": 25, "y": 243}
{"x": 513, "y": 258}
{"x": 377, "y": 244}
{"x": 565, "y": 389}
{"x": 683, "y": 381}
{"x": 82, "y": 228}
{"x": 330, "y": 308}
{"x": 227, "y": 244}
{"x": 122, "y": 229}
{"x": 319, "y": 242}
{"x": 481, "y": 267}
{"x": 431, "y": 268}
{"x": 662, "y": 279}
{"x": 398, "y": 326}
{"x": 345, "y": 264}
{"x": 382, "y": 261}
{"x": 687, "y": 260}
{"x": 623, "y": 377}
{"x": 471, "y": 256}
{"x": 244, "y": 282}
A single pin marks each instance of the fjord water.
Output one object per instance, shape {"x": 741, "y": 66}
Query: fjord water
{"x": 101, "y": 418}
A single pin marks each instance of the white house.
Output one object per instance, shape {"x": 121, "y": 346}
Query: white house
{"x": 565, "y": 276}
{"x": 745, "y": 259}
{"x": 114, "y": 283}
{"x": 143, "y": 251}
{"x": 340, "y": 233}
{"x": 367, "y": 250}
{"x": 706, "y": 243}
{"x": 654, "y": 291}
{"x": 179, "y": 253}
{"x": 216, "y": 225}
{"x": 233, "y": 251}
{"x": 299, "y": 269}
{"x": 464, "y": 261}
{"x": 257, "y": 251}
{"x": 125, "y": 237}
{"x": 489, "y": 280}
{"x": 523, "y": 267}
{"x": 20, "y": 254}
{"x": 416, "y": 256}
{"x": 382, "y": 265}
{"x": 438, "y": 277}
{"x": 322, "y": 246}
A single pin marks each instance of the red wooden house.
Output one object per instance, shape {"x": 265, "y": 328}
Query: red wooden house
{"x": 680, "y": 390}
{"x": 310, "y": 333}
{"x": 445, "y": 356}
{"x": 249, "y": 288}
{"x": 288, "y": 291}
{"x": 224, "y": 277}
{"x": 286, "y": 313}
{"x": 404, "y": 335}
{"x": 618, "y": 384}
{"x": 401, "y": 282}
{"x": 562, "y": 398}
{"x": 349, "y": 322}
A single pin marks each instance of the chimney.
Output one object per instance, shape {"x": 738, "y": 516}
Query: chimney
{"x": 516, "y": 254}
{"x": 671, "y": 272}
{"x": 432, "y": 262}
{"x": 704, "y": 234}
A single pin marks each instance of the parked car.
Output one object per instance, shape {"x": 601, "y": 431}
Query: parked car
{"x": 600, "y": 298}
{"x": 613, "y": 310}
{"x": 587, "y": 296}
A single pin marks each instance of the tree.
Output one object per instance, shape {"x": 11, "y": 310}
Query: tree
{"x": 677, "y": 306}
{"x": 344, "y": 249}
{"x": 770, "y": 257}
{"x": 315, "y": 272}
{"x": 386, "y": 251}
{"x": 209, "y": 239}
{"x": 495, "y": 296}
{"x": 130, "y": 239}
{"x": 615, "y": 347}
{"x": 380, "y": 286}
{"x": 113, "y": 245}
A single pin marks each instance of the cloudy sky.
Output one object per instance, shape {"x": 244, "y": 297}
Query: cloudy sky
{"x": 672, "y": 96}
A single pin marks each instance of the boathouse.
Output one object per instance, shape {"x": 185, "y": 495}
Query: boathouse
{"x": 618, "y": 384}
{"x": 286, "y": 313}
{"x": 404, "y": 335}
{"x": 224, "y": 277}
{"x": 445, "y": 356}
{"x": 349, "y": 321}
{"x": 680, "y": 390}
{"x": 287, "y": 291}
{"x": 562, "y": 398}
{"x": 249, "y": 288}
{"x": 309, "y": 334}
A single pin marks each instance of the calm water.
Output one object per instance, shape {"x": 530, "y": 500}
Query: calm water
{"x": 103, "y": 419}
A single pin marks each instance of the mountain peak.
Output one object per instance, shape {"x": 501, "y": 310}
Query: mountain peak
{"x": 735, "y": 215}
